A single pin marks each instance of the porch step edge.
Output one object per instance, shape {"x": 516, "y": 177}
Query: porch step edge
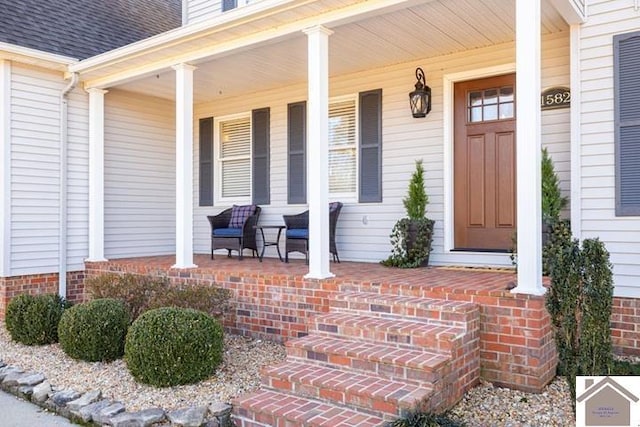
{"x": 367, "y": 392}
{"x": 402, "y": 364}
{"x": 267, "y": 407}
{"x": 400, "y": 332}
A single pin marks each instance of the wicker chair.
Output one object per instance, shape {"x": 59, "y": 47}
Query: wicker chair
{"x": 236, "y": 238}
{"x": 297, "y": 235}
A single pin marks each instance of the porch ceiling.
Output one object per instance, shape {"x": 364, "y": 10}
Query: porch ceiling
{"x": 417, "y": 30}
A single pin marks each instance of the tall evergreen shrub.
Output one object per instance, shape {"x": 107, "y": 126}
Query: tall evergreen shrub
{"x": 579, "y": 302}
{"x": 552, "y": 200}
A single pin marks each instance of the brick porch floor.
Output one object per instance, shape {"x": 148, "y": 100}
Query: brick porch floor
{"x": 275, "y": 301}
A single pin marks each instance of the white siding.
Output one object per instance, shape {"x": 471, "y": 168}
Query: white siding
{"x": 140, "y": 180}
{"x": 597, "y": 174}
{"x": 35, "y": 131}
{"x": 556, "y": 126}
{"x": 363, "y": 229}
{"x": 199, "y": 10}
{"x": 35, "y": 173}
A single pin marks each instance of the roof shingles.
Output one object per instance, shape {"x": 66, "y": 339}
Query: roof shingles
{"x": 84, "y": 28}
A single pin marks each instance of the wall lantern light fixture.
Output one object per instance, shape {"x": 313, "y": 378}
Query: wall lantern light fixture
{"x": 420, "y": 98}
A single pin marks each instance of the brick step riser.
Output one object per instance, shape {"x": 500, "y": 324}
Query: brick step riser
{"x": 278, "y": 421}
{"x": 403, "y": 290}
{"x": 283, "y": 410}
{"x": 395, "y": 372}
{"x": 379, "y": 407}
{"x": 445, "y": 344}
{"x": 244, "y": 422}
{"x": 433, "y": 315}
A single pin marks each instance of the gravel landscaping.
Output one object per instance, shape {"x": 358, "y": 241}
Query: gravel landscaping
{"x": 484, "y": 405}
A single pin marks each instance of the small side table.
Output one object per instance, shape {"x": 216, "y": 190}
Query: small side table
{"x": 266, "y": 242}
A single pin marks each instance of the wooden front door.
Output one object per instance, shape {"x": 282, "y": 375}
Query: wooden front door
{"x": 485, "y": 164}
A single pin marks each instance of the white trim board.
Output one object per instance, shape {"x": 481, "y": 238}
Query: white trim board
{"x": 576, "y": 136}
{"x": 5, "y": 166}
{"x": 448, "y": 80}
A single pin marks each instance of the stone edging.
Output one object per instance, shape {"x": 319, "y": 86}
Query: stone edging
{"x": 92, "y": 410}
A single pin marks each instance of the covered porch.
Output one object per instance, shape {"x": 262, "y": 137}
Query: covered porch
{"x": 275, "y": 301}
{"x": 268, "y": 56}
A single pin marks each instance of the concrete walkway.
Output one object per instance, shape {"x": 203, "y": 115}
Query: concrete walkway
{"x": 15, "y": 412}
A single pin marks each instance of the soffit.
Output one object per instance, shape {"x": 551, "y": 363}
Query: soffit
{"x": 405, "y": 34}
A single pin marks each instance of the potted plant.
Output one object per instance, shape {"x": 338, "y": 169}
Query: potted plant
{"x": 411, "y": 236}
{"x": 552, "y": 200}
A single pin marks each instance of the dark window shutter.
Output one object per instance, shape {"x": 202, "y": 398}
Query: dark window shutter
{"x": 370, "y": 146}
{"x": 627, "y": 122}
{"x": 260, "y": 156}
{"x": 206, "y": 161}
{"x": 228, "y": 5}
{"x": 297, "y": 152}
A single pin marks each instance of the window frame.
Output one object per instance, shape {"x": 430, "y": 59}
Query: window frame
{"x": 350, "y": 196}
{"x": 239, "y": 3}
{"x": 217, "y": 161}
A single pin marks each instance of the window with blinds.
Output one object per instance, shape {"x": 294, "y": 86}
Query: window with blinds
{"x": 234, "y": 158}
{"x": 342, "y": 148}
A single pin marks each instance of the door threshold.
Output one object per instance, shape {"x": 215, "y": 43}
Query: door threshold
{"x": 484, "y": 250}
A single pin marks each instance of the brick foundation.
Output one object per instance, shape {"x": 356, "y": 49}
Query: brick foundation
{"x": 516, "y": 341}
{"x": 40, "y": 284}
{"x": 625, "y": 326}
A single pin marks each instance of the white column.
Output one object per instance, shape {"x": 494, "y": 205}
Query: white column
{"x": 184, "y": 166}
{"x": 96, "y": 175}
{"x": 528, "y": 147}
{"x": 318, "y": 151}
{"x": 5, "y": 165}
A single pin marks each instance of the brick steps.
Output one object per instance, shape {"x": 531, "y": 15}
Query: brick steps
{"x": 372, "y": 357}
{"x": 452, "y": 313}
{"x": 388, "y": 361}
{"x": 268, "y": 408}
{"x": 407, "y": 333}
{"x": 368, "y": 392}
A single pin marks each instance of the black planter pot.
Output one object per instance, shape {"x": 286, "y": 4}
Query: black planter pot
{"x": 412, "y": 237}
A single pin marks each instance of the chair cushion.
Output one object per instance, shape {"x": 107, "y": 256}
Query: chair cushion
{"x": 227, "y": 232}
{"x": 298, "y": 233}
{"x": 239, "y": 215}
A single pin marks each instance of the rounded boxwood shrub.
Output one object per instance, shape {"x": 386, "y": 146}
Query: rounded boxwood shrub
{"x": 33, "y": 320}
{"x": 171, "y": 346}
{"x": 94, "y": 331}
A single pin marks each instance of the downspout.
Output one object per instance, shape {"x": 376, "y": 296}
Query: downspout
{"x": 64, "y": 139}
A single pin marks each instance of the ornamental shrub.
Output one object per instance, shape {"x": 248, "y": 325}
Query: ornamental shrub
{"x": 33, "y": 320}
{"x": 552, "y": 200}
{"x": 411, "y": 236}
{"x": 135, "y": 291}
{"x": 417, "y": 418}
{"x": 171, "y": 346}
{"x": 94, "y": 331}
{"x": 417, "y": 199}
{"x": 579, "y": 302}
{"x": 141, "y": 293}
{"x": 559, "y": 236}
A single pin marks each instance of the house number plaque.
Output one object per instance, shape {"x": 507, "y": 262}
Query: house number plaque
{"x": 555, "y": 97}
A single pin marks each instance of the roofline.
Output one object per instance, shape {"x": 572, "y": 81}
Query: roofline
{"x": 28, "y": 55}
{"x": 190, "y": 34}
{"x": 231, "y": 18}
